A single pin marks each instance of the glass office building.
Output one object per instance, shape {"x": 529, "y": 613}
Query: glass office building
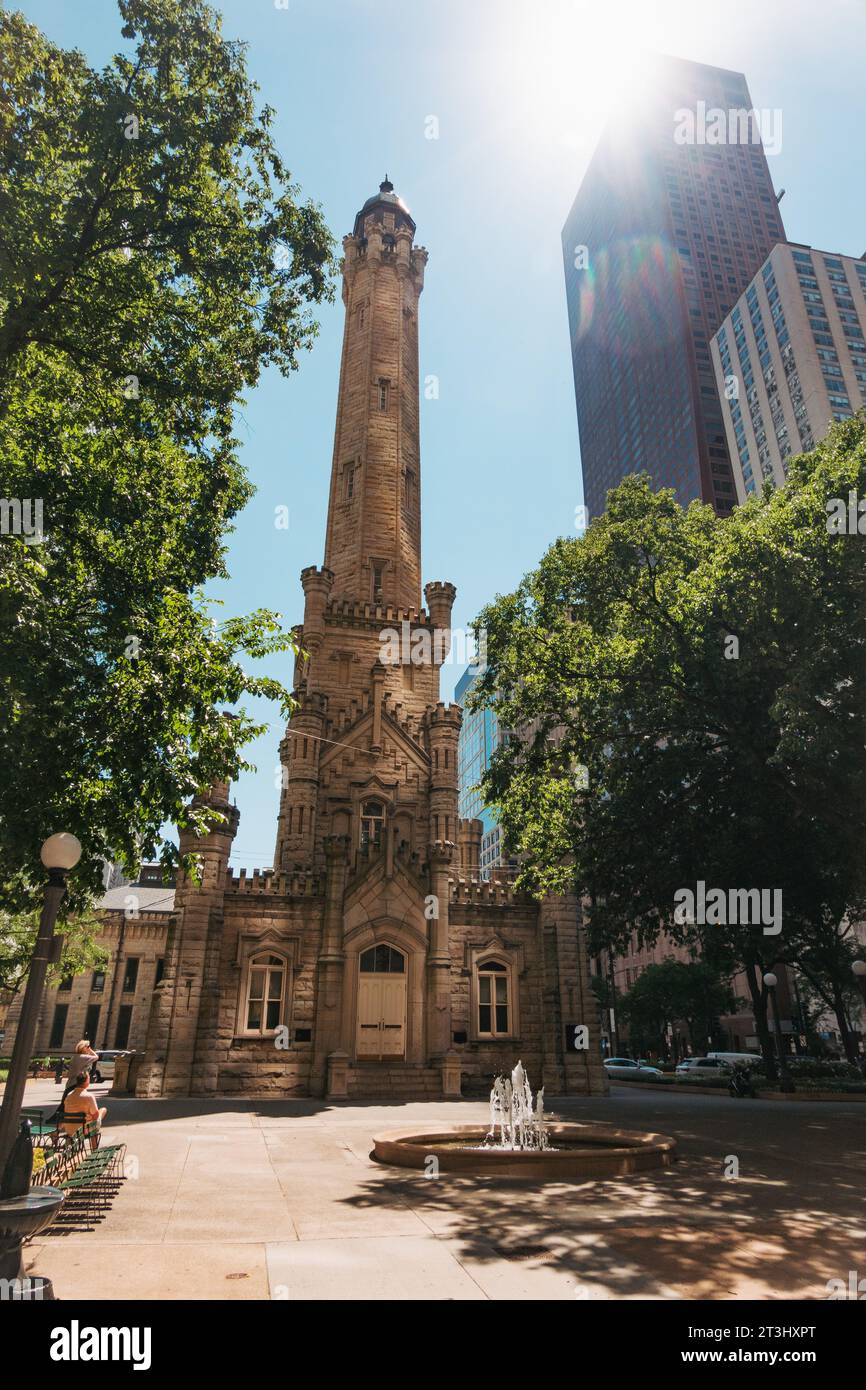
{"x": 667, "y": 229}
{"x": 479, "y": 737}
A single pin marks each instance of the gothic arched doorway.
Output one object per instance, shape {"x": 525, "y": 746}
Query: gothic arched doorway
{"x": 382, "y": 1002}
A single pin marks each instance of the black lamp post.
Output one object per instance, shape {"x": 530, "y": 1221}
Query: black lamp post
{"x": 60, "y": 853}
{"x": 858, "y": 970}
{"x": 785, "y": 1081}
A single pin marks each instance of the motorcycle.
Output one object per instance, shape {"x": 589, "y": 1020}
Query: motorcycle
{"x": 740, "y": 1085}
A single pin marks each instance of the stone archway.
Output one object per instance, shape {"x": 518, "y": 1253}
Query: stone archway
{"x": 393, "y": 999}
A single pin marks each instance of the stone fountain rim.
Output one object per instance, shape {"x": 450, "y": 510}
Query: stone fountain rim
{"x": 608, "y": 1149}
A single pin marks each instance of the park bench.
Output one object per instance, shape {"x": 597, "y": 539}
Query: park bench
{"x": 88, "y": 1174}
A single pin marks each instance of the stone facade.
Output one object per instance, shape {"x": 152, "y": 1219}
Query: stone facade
{"x": 110, "y": 1006}
{"x": 371, "y": 960}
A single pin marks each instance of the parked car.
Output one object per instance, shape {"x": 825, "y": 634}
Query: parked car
{"x": 627, "y": 1067}
{"x": 104, "y": 1069}
{"x": 704, "y": 1066}
{"x": 738, "y": 1059}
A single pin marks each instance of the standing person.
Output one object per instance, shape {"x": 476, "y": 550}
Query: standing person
{"x": 58, "y": 1071}
{"x": 84, "y": 1059}
{"x": 77, "y": 1100}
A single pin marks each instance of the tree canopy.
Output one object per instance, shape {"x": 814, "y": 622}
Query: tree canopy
{"x": 686, "y": 700}
{"x": 155, "y": 257}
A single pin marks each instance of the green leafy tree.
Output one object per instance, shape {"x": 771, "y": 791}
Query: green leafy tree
{"x": 689, "y": 699}
{"x": 674, "y": 991}
{"x": 80, "y": 951}
{"x": 154, "y": 259}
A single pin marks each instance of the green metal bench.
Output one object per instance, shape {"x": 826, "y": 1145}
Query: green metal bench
{"x": 89, "y": 1175}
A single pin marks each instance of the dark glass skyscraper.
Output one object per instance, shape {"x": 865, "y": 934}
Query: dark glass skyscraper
{"x": 675, "y": 215}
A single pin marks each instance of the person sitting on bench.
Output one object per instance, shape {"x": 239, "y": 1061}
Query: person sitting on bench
{"x": 78, "y": 1101}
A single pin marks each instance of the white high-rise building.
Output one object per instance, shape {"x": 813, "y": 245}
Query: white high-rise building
{"x": 790, "y": 358}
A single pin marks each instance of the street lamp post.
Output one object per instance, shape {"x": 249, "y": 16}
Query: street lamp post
{"x": 60, "y": 853}
{"x": 785, "y": 1081}
{"x": 858, "y": 969}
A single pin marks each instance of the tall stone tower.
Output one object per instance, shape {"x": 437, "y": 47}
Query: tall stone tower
{"x": 370, "y": 960}
{"x": 369, "y": 648}
{"x": 373, "y": 544}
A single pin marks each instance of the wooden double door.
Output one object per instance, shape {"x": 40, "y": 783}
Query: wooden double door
{"x": 381, "y": 1003}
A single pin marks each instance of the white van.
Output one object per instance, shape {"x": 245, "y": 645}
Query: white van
{"x": 737, "y": 1059}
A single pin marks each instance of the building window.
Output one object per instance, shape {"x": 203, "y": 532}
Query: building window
{"x": 65, "y": 983}
{"x": 159, "y": 974}
{"x": 97, "y": 984}
{"x": 130, "y": 975}
{"x": 91, "y": 1022}
{"x": 372, "y": 823}
{"x": 266, "y": 994}
{"x": 377, "y": 583}
{"x": 382, "y": 960}
{"x": 58, "y": 1025}
{"x": 349, "y": 481}
{"x": 124, "y": 1021}
{"x": 384, "y": 392}
{"x": 494, "y": 1005}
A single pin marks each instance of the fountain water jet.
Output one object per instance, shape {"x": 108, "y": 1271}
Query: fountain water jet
{"x": 520, "y": 1126}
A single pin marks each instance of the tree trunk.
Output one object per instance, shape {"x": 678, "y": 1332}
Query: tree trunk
{"x": 847, "y": 1036}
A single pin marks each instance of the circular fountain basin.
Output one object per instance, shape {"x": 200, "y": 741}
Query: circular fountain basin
{"x": 577, "y": 1151}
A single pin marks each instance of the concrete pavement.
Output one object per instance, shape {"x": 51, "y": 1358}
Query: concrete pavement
{"x": 234, "y": 1199}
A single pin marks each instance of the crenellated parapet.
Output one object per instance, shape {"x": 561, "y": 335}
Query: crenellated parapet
{"x": 282, "y": 884}
{"x": 479, "y": 893}
{"x": 349, "y": 612}
{"x": 443, "y": 718}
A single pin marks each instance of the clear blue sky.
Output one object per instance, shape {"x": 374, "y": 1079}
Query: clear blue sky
{"x": 520, "y": 93}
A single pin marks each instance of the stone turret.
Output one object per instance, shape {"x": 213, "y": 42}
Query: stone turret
{"x": 442, "y": 725}
{"x": 440, "y": 602}
{"x": 300, "y": 752}
{"x": 470, "y": 833}
{"x": 184, "y": 1007}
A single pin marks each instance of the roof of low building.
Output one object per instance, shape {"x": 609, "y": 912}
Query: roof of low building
{"x": 147, "y": 899}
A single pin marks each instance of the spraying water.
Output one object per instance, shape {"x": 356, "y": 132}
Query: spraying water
{"x": 511, "y": 1112}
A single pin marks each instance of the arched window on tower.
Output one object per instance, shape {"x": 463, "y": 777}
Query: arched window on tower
{"x": 372, "y": 824}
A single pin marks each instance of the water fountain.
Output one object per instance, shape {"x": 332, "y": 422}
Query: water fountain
{"x": 522, "y": 1143}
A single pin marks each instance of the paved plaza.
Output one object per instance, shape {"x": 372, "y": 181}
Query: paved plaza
{"x": 249, "y": 1199}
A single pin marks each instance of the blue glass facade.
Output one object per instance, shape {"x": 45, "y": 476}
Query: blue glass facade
{"x": 479, "y": 738}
